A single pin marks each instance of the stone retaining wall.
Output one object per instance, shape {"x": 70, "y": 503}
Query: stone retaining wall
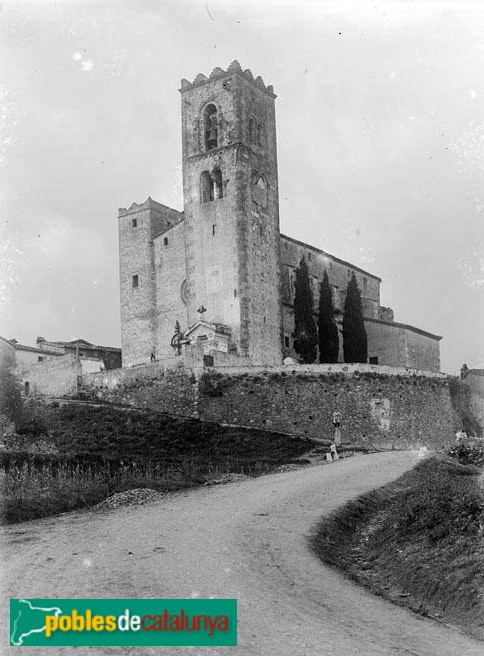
{"x": 380, "y": 406}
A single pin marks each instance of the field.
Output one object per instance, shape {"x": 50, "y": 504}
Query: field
{"x": 85, "y": 453}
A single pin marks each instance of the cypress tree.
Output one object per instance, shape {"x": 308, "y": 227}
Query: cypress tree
{"x": 305, "y": 332}
{"x": 355, "y": 342}
{"x": 327, "y": 328}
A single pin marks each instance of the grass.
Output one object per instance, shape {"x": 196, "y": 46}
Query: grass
{"x": 30, "y": 491}
{"x": 89, "y": 453}
{"x": 418, "y": 541}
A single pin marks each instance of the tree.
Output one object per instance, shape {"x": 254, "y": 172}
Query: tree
{"x": 305, "y": 332}
{"x": 327, "y": 328}
{"x": 355, "y": 342}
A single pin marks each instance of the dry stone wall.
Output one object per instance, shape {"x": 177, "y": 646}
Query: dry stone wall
{"x": 379, "y": 410}
{"x": 154, "y": 387}
{"x": 384, "y": 411}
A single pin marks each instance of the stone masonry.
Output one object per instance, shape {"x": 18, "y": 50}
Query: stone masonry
{"x": 381, "y": 407}
{"x": 223, "y": 258}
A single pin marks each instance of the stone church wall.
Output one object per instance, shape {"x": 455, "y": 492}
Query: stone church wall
{"x": 339, "y": 273}
{"x": 380, "y": 407}
{"x": 170, "y": 268}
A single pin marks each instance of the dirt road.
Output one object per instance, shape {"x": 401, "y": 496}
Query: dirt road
{"x": 245, "y": 540}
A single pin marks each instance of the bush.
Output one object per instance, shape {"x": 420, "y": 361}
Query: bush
{"x": 468, "y": 453}
{"x": 211, "y": 384}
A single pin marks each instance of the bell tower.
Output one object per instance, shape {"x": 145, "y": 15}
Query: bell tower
{"x": 231, "y": 206}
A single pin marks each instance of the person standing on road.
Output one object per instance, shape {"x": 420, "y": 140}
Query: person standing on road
{"x": 337, "y": 428}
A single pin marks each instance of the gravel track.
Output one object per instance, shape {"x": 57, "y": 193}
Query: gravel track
{"x": 245, "y": 540}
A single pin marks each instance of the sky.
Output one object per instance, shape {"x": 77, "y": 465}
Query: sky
{"x": 380, "y": 120}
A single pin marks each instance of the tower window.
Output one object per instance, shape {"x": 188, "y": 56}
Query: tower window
{"x": 165, "y": 241}
{"x": 210, "y": 127}
{"x": 135, "y": 281}
{"x": 259, "y": 189}
{"x": 134, "y": 223}
{"x": 260, "y": 135}
{"x": 206, "y": 187}
{"x": 217, "y": 184}
{"x": 213, "y": 229}
{"x": 211, "y": 186}
{"x": 251, "y": 130}
{"x": 286, "y": 341}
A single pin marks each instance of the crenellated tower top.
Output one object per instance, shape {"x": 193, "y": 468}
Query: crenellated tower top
{"x": 219, "y": 73}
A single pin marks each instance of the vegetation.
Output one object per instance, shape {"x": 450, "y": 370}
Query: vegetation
{"x": 355, "y": 342}
{"x": 327, "y": 328}
{"x": 92, "y": 452}
{"x": 10, "y": 398}
{"x": 305, "y": 332}
{"x": 418, "y": 541}
{"x": 469, "y": 453}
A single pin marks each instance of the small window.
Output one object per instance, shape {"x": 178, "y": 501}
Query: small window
{"x": 336, "y": 298}
{"x": 210, "y": 124}
{"x": 165, "y": 241}
{"x": 251, "y": 130}
{"x": 309, "y": 257}
{"x": 26, "y": 388}
{"x": 40, "y": 359}
{"x": 213, "y": 229}
{"x": 260, "y": 135}
{"x": 374, "y": 359}
{"x": 168, "y": 224}
{"x": 286, "y": 341}
{"x": 259, "y": 189}
{"x": 135, "y": 281}
{"x": 134, "y": 223}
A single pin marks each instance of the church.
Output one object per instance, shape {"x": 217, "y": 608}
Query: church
{"x": 220, "y": 269}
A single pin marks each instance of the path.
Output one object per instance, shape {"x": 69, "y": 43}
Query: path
{"x": 245, "y": 540}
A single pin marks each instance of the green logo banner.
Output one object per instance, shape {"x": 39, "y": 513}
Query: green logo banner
{"x": 123, "y": 622}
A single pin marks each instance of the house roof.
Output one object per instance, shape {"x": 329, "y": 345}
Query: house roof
{"x": 35, "y": 349}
